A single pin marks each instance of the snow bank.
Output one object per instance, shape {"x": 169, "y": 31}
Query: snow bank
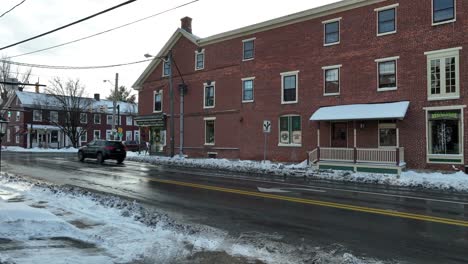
{"x": 48, "y": 150}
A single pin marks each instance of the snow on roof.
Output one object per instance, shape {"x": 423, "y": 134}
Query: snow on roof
{"x": 361, "y": 112}
{"x": 32, "y": 99}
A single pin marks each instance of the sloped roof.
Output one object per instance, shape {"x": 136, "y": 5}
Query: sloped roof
{"x": 361, "y": 112}
{"x": 31, "y": 99}
{"x": 320, "y": 11}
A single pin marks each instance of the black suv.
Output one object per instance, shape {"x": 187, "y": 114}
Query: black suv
{"x": 102, "y": 150}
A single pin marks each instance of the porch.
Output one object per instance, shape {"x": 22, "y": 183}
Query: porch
{"x": 374, "y": 144}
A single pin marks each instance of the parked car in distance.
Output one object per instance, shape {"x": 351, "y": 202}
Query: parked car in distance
{"x": 103, "y": 150}
{"x": 132, "y": 145}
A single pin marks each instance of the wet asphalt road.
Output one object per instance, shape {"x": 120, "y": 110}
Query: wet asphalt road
{"x": 234, "y": 203}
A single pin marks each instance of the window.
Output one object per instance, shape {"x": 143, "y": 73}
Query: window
{"x": 84, "y": 137}
{"x": 210, "y": 131}
{"x": 332, "y": 80}
{"x": 290, "y": 131}
{"x": 108, "y": 134}
{"x": 37, "y": 115}
{"x": 53, "y": 116}
{"x": 83, "y": 118}
{"x": 136, "y": 135}
{"x": 200, "y": 59}
{"x": 387, "y": 134}
{"x": 166, "y": 68}
{"x": 18, "y": 115}
{"x": 97, "y": 118}
{"x": 109, "y": 120}
{"x": 248, "y": 90}
{"x": 157, "y": 101}
{"x": 17, "y": 134}
{"x": 54, "y": 136}
{"x": 209, "y": 95}
{"x": 332, "y": 32}
{"x": 248, "y": 49}
{"x": 443, "y": 11}
{"x": 128, "y": 135}
{"x": 129, "y": 121}
{"x": 445, "y": 135}
{"x": 387, "y": 74}
{"x": 386, "y": 20}
{"x": 96, "y": 134}
{"x": 289, "y": 87}
{"x": 8, "y": 135}
{"x": 443, "y": 74}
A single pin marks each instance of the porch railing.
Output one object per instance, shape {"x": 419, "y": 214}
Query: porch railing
{"x": 362, "y": 155}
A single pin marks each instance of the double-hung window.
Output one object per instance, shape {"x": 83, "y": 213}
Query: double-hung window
{"x": 290, "y": 131}
{"x": 109, "y": 120}
{"x": 210, "y": 130}
{"x": 199, "y": 59}
{"x": 248, "y": 49}
{"x": 53, "y": 116}
{"x": 443, "y": 74}
{"x": 157, "y": 101}
{"x": 209, "y": 95}
{"x": 96, "y": 134}
{"x": 289, "y": 87}
{"x": 83, "y": 118}
{"x": 18, "y": 115}
{"x": 388, "y": 134}
{"x": 97, "y": 118}
{"x": 248, "y": 89}
{"x": 332, "y": 80}
{"x": 129, "y": 120}
{"x": 443, "y": 11}
{"x": 166, "y": 68}
{"x": 331, "y": 31}
{"x": 387, "y": 74}
{"x": 37, "y": 115}
{"x": 386, "y": 20}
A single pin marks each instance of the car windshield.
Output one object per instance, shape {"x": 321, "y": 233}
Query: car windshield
{"x": 131, "y": 142}
{"x": 113, "y": 143}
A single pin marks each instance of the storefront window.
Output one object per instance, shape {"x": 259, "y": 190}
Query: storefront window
{"x": 444, "y": 132}
{"x": 290, "y": 130}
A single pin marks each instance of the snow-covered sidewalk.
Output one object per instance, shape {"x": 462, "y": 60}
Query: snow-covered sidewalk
{"x": 48, "y": 224}
{"x": 451, "y": 181}
{"x": 37, "y": 150}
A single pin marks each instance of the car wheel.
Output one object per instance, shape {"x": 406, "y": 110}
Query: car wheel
{"x": 81, "y": 156}
{"x": 120, "y": 161}
{"x": 100, "y": 158}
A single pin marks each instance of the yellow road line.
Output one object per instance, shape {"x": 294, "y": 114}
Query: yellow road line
{"x": 427, "y": 218}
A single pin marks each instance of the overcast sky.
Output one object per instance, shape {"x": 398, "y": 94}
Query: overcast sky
{"x": 123, "y": 45}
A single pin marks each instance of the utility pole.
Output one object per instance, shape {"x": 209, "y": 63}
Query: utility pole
{"x": 182, "y": 89}
{"x": 115, "y": 104}
{"x": 171, "y": 104}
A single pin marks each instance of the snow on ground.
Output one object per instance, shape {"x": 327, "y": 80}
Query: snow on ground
{"x": 43, "y": 223}
{"x": 50, "y": 150}
{"x": 452, "y": 181}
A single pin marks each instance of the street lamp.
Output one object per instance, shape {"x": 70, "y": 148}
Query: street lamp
{"x": 114, "y": 103}
{"x": 3, "y": 129}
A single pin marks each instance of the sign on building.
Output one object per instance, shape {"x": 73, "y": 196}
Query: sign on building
{"x": 266, "y": 126}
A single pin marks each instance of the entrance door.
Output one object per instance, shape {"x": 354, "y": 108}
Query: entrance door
{"x": 339, "y": 137}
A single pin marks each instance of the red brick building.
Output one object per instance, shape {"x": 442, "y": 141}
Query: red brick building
{"x": 372, "y": 85}
{"x": 33, "y": 119}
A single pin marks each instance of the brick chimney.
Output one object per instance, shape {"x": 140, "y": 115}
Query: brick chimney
{"x": 186, "y": 24}
{"x": 96, "y": 97}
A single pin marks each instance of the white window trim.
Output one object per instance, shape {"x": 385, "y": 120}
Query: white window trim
{"x": 163, "y": 63}
{"x": 441, "y": 54}
{"x": 8, "y": 135}
{"x": 196, "y": 54}
{"x": 209, "y": 119}
{"x": 34, "y": 116}
{"x": 50, "y": 116}
{"x": 286, "y": 74}
{"x": 388, "y": 125}
{"x": 94, "y": 134}
{"x": 325, "y": 31}
{"x": 292, "y": 145}
{"x": 396, "y": 58}
{"x": 444, "y": 22}
{"x": 253, "y": 89}
{"x": 243, "y": 48}
{"x": 17, "y": 137}
{"x": 94, "y": 119}
{"x": 18, "y": 116}
{"x": 107, "y": 120}
{"x": 154, "y": 95}
{"x": 131, "y": 120}
{"x": 462, "y": 133}
{"x": 380, "y": 9}
{"x": 204, "y": 95}
{"x": 85, "y": 135}
{"x": 86, "y": 120}
{"x": 325, "y": 80}
{"x": 108, "y": 132}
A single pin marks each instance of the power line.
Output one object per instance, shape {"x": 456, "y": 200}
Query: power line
{"x": 68, "y": 25}
{"x": 105, "y": 31}
{"x": 12, "y": 8}
{"x": 72, "y": 67}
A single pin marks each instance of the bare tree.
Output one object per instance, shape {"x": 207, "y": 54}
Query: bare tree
{"x": 69, "y": 99}
{"x": 10, "y": 73}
